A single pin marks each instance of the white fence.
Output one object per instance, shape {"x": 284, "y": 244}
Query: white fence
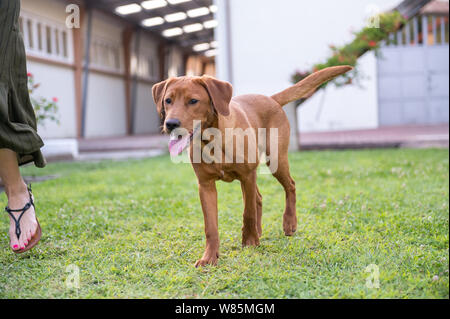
{"x": 413, "y": 74}
{"x": 45, "y": 38}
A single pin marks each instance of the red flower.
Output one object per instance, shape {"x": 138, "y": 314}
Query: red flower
{"x": 372, "y": 44}
{"x": 30, "y": 74}
{"x": 55, "y": 99}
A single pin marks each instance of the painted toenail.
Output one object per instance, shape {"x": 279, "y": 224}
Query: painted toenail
{"x": 15, "y": 246}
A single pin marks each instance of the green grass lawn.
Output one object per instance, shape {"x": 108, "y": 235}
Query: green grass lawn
{"x": 135, "y": 229}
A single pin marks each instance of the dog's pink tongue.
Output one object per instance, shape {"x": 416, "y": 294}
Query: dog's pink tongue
{"x": 176, "y": 147}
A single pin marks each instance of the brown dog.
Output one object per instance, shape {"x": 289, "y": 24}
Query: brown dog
{"x": 182, "y": 100}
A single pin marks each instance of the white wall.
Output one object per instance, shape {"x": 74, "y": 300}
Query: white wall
{"x": 56, "y": 81}
{"x": 271, "y": 39}
{"x": 175, "y": 62}
{"x": 105, "y": 114}
{"x": 106, "y": 104}
{"x": 344, "y": 108}
{"x": 50, "y": 9}
{"x": 146, "y": 119}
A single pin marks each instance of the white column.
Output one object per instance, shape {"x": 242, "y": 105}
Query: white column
{"x": 224, "y": 62}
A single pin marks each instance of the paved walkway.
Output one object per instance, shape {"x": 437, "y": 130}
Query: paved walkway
{"x": 123, "y": 143}
{"x": 142, "y": 146}
{"x": 399, "y": 136}
{"x": 122, "y": 148}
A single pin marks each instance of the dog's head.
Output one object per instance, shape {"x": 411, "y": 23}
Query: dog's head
{"x": 183, "y": 100}
{"x": 180, "y": 101}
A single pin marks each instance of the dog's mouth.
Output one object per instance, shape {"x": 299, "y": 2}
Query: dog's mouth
{"x": 178, "y": 143}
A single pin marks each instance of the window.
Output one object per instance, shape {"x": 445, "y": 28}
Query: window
{"x": 64, "y": 43}
{"x": 30, "y": 31}
{"x": 105, "y": 54}
{"x": 39, "y": 31}
{"x": 146, "y": 66}
{"x": 48, "y": 34}
{"x": 45, "y": 38}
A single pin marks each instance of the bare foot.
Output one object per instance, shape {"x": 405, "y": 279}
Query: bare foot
{"x": 28, "y": 222}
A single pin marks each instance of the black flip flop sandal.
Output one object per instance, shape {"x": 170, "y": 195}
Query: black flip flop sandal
{"x": 37, "y": 236}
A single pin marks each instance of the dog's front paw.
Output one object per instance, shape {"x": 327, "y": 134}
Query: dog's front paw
{"x": 250, "y": 240}
{"x": 289, "y": 225}
{"x": 207, "y": 259}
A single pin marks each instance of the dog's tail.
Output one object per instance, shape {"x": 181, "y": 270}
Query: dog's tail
{"x": 308, "y": 86}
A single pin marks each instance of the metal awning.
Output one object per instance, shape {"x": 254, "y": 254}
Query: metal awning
{"x": 161, "y": 11}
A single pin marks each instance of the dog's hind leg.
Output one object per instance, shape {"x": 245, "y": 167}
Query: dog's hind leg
{"x": 284, "y": 177}
{"x": 278, "y": 164}
{"x": 258, "y": 211}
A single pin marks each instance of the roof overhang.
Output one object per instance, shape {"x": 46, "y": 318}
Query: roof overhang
{"x": 193, "y": 28}
{"x": 436, "y": 7}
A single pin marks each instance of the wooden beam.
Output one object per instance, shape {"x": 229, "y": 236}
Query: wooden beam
{"x": 85, "y": 83}
{"x": 78, "y": 69}
{"x": 127, "y": 37}
{"x": 162, "y": 61}
{"x": 48, "y": 61}
{"x": 185, "y": 61}
{"x": 134, "y": 77}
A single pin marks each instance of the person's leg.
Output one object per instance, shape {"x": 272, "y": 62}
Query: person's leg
{"x": 18, "y": 197}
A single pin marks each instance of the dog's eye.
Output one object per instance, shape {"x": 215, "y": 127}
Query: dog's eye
{"x": 193, "y": 101}
{"x": 168, "y": 101}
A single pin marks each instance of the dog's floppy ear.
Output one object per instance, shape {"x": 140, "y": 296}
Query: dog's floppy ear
{"x": 158, "y": 91}
{"x": 220, "y": 92}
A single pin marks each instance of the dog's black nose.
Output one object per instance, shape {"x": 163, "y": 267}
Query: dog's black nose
{"x": 172, "y": 124}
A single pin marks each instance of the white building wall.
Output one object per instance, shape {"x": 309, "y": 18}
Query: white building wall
{"x": 146, "y": 119}
{"x": 106, "y": 102}
{"x": 271, "y": 39}
{"x": 105, "y": 114}
{"x": 344, "y": 108}
{"x": 175, "y": 62}
{"x": 52, "y": 9}
{"x": 55, "y": 81}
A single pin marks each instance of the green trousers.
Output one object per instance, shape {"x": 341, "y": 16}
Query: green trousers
{"x": 17, "y": 118}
